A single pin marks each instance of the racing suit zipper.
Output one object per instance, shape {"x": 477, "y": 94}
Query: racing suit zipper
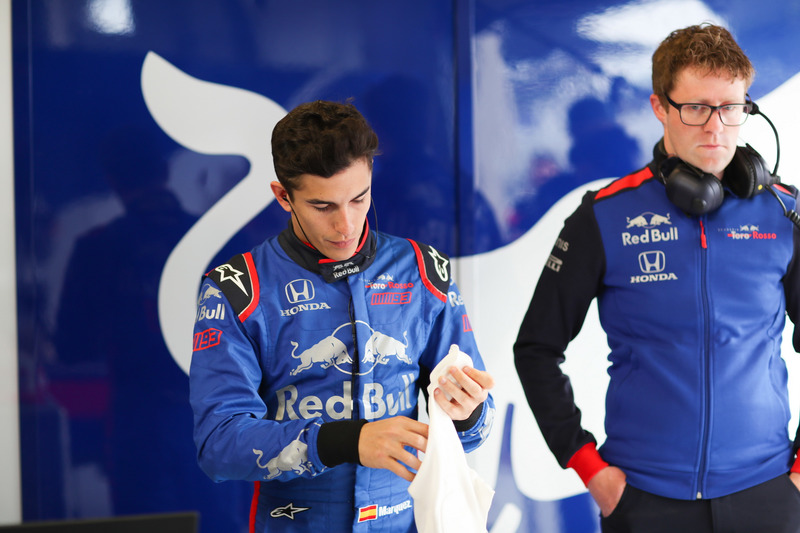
{"x": 356, "y": 360}
{"x": 706, "y": 363}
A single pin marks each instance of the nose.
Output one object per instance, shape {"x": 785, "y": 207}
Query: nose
{"x": 344, "y": 222}
{"x": 714, "y": 122}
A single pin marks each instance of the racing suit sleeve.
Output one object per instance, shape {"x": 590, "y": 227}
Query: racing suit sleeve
{"x": 570, "y": 280}
{"x": 449, "y": 324}
{"x": 791, "y": 285}
{"x": 232, "y": 436}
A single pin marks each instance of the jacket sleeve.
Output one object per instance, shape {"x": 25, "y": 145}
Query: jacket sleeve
{"x": 570, "y": 280}
{"x": 791, "y": 287}
{"x": 232, "y": 436}
{"x": 449, "y": 324}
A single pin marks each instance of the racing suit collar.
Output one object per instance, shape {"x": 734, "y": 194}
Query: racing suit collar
{"x": 309, "y": 257}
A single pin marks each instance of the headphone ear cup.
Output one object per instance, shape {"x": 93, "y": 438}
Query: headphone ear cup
{"x": 694, "y": 192}
{"x": 747, "y": 174}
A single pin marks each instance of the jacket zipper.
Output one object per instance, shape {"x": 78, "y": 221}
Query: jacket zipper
{"x": 706, "y": 355}
{"x": 356, "y": 360}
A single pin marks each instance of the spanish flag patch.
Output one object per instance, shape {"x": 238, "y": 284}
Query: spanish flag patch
{"x": 368, "y": 513}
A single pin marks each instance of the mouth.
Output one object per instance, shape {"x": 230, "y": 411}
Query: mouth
{"x": 342, "y": 245}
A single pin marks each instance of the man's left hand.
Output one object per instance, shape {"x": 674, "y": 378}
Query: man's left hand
{"x": 471, "y": 390}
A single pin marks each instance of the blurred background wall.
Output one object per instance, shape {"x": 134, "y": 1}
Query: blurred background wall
{"x": 138, "y": 156}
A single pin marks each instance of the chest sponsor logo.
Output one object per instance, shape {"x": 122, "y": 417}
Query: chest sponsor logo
{"x": 377, "y": 401}
{"x": 331, "y": 351}
{"x": 299, "y": 290}
{"x": 747, "y": 232}
{"x": 649, "y": 228}
{"x": 653, "y": 264}
{"x": 387, "y": 281}
{"x": 332, "y": 354}
{"x": 300, "y": 294}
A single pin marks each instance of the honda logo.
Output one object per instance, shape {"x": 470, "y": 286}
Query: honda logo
{"x": 299, "y": 290}
{"x": 652, "y": 262}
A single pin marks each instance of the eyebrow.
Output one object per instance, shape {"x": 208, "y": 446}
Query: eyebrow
{"x": 320, "y": 202}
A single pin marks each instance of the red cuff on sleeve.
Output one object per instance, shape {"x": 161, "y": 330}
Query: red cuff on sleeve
{"x": 796, "y": 466}
{"x": 587, "y": 462}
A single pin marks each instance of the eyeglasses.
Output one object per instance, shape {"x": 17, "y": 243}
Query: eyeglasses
{"x": 698, "y": 114}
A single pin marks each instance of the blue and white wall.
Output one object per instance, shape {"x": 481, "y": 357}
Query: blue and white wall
{"x": 494, "y": 117}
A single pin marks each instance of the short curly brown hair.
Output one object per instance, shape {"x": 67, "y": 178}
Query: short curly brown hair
{"x": 706, "y": 47}
{"x": 320, "y": 138}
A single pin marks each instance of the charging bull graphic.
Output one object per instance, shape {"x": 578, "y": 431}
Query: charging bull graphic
{"x": 380, "y": 347}
{"x": 293, "y": 458}
{"x": 210, "y": 292}
{"x": 329, "y": 351}
{"x": 332, "y": 352}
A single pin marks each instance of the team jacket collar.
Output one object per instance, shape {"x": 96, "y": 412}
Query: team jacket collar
{"x": 309, "y": 258}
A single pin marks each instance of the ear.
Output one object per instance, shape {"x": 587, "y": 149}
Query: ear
{"x": 658, "y": 109}
{"x": 281, "y": 194}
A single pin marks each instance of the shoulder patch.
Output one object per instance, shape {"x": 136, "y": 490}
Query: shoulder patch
{"x": 434, "y": 269}
{"x": 628, "y": 182}
{"x": 238, "y": 280}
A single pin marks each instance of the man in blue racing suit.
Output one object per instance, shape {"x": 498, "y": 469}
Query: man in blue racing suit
{"x": 694, "y": 268}
{"x": 311, "y": 349}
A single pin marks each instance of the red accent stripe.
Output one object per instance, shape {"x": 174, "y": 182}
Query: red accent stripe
{"x": 782, "y": 189}
{"x": 632, "y": 180}
{"x": 425, "y": 281}
{"x": 254, "y": 505}
{"x": 255, "y": 286}
{"x": 703, "y": 241}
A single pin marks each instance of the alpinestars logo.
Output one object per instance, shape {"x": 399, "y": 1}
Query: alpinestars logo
{"x": 287, "y": 511}
{"x": 440, "y": 262}
{"x": 228, "y": 273}
{"x": 653, "y": 264}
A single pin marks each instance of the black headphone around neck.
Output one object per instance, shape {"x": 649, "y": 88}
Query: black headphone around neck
{"x": 696, "y": 192}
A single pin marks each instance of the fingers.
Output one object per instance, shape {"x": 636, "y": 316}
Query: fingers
{"x": 382, "y": 444}
{"x": 470, "y": 390}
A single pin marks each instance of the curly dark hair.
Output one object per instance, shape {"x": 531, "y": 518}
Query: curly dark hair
{"x": 320, "y": 138}
{"x": 707, "y": 47}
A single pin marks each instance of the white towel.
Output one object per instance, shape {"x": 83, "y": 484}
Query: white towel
{"x": 449, "y": 496}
